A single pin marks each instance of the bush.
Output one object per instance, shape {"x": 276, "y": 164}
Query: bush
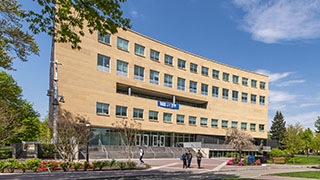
{"x": 277, "y": 153}
{"x": 230, "y": 162}
{"x": 23, "y": 166}
{"x": 2, "y": 166}
{"x": 106, "y": 163}
{"x": 5, "y": 153}
{"x": 95, "y": 165}
{"x": 52, "y": 165}
{"x": 240, "y": 163}
{"x": 131, "y": 164}
{"x": 147, "y": 166}
{"x": 121, "y": 164}
{"x": 86, "y": 165}
{"x": 11, "y": 164}
{"x": 48, "y": 150}
{"x": 64, "y": 165}
{"x": 258, "y": 162}
{"x": 112, "y": 163}
{"x": 33, "y": 164}
{"x": 76, "y": 165}
{"x": 228, "y": 154}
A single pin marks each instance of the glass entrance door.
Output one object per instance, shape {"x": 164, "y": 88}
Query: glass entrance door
{"x": 162, "y": 141}
{"x": 138, "y": 139}
{"x": 155, "y": 140}
{"x": 145, "y": 140}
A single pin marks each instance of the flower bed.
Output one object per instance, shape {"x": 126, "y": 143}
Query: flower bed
{"x": 243, "y": 163}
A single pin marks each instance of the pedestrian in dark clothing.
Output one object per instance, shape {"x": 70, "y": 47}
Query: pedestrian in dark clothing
{"x": 199, "y": 156}
{"x": 189, "y": 158}
{"x": 184, "y": 160}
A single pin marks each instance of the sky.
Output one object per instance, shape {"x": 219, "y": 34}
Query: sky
{"x": 279, "y": 38}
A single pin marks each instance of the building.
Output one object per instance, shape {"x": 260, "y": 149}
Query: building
{"x": 176, "y": 95}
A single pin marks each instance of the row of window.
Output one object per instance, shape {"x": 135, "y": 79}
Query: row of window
{"x": 102, "y": 108}
{"x": 154, "y": 55}
{"x": 122, "y": 70}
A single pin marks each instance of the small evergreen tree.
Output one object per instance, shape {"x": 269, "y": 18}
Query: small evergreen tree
{"x": 278, "y": 127}
{"x": 317, "y": 125}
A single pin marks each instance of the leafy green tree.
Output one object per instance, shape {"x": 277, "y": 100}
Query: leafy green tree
{"x": 317, "y": 125}
{"x": 45, "y": 131}
{"x": 278, "y": 127}
{"x": 292, "y": 139}
{"x": 315, "y": 145}
{"x": 307, "y": 136}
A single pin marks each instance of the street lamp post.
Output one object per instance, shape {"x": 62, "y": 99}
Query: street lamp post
{"x": 88, "y": 125}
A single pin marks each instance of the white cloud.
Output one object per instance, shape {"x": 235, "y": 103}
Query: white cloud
{"x": 290, "y": 82}
{"x": 308, "y": 105}
{"x": 273, "y": 76}
{"x": 280, "y": 20}
{"x": 135, "y": 14}
{"x": 277, "y": 107}
{"x": 306, "y": 119}
{"x": 280, "y": 96}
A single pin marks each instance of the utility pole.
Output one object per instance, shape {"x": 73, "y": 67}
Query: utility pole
{"x": 55, "y": 102}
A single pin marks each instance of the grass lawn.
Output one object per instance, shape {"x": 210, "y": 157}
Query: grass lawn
{"x": 304, "y": 174}
{"x": 235, "y": 179}
{"x": 304, "y": 160}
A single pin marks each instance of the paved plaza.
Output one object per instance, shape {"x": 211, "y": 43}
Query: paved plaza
{"x": 172, "y": 169}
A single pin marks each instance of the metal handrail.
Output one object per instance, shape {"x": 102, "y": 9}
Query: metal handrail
{"x": 171, "y": 152}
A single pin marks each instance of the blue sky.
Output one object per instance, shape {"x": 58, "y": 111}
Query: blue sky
{"x": 277, "y": 38}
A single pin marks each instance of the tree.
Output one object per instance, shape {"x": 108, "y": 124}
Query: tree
{"x": 315, "y": 144}
{"x": 307, "y": 136}
{"x": 317, "y": 125}
{"x": 278, "y": 127}
{"x": 292, "y": 140}
{"x": 127, "y": 129}
{"x": 239, "y": 141}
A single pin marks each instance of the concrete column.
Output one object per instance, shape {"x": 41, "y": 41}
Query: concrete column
{"x": 129, "y": 91}
{"x": 173, "y": 99}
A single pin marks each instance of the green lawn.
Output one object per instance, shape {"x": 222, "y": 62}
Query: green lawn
{"x": 304, "y": 160}
{"x": 304, "y": 174}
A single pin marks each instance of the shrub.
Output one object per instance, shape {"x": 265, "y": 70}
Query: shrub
{"x": 86, "y": 165}
{"x": 11, "y": 164}
{"x": 112, "y": 163}
{"x": 48, "y": 150}
{"x": 76, "y": 165}
{"x": 147, "y": 166}
{"x": 106, "y": 163}
{"x": 5, "y": 153}
{"x": 240, "y": 163}
{"x": 245, "y": 162}
{"x": 131, "y": 164}
{"x": 95, "y": 165}
{"x": 23, "y": 166}
{"x": 121, "y": 164}
{"x": 258, "y": 162}
{"x": 64, "y": 165}
{"x": 52, "y": 165}
{"x": 33, "y": 164}
{"x": 2, "y": 166}
{"x": 228, "y": 154}
{"x": 230, "y": 162}
{"x": 277, "y": 153}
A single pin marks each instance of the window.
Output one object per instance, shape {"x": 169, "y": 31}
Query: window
{"x": 154, "y": 55}
{"x": 262, "y": 100}
{"x": 138, "y": 113}
{"x": 153, "y": 115}
{"x": 214, "y": 122}
{"x": 235, "y": 79}
{"x": 181, "y": 64}
{"x": 168, "y": 80}
{"x": 244, "y": 97}
{"x": 252, "y": 127}
{"x": 205, "y": 71}
{"x": 167, "y": 117}
{"x": 103, "y": 63}
{"x": 215, "y": 74}
{"x": 261, "y": 127}
{"x": 138, "y": 49}
{"x": 204, "y": 89}
{"x": 224, "y": 124}
{"x": 203, "y": 121}
{"x": 193, "y": 87}
{"x": 102, "y": 108}
{"x": 225, "y": 93}
{"x": 168, "y": 59}
{"x": 122, "y": 68}
{"x": 193, "y": 67}
{"x": 235, "y": 95}
{"x": 180, "y": 119}
{"x": 138, "y": 73}
{"x": 225, "y": 76}
{"x": 245, "y": 81}
{"x": 262, "y": 85}
{"x": 104, "y": 38}
{"x": 215, "y": 91}
{"x": 253, "y": 99}
{"x": 181, "y": 84}
{"x": 253, "y": 83}
{"x": 234, "y": 124}
{"x": 192, "y": 120}
{"x": 154, "y": 77}
{"x": 123, "y": 44}
{"x": 243, "y": 126}
{"x": 121, "y": 111}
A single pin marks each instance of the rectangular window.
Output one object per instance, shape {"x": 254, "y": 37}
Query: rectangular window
{"x": 235, "y": 79}
{"x": 262, "y": 85}
{"x": 204, "y": 89}
{"x": 203, "y": 121}
{"x": 193, "y": 67}
{"x": 234, "y": 124}
{"x": 168, "y": 59}
{"x": 193, "y": 87}
{"x": 138, "y": 113}
{"x": 103, "y": 63}
{"x": 138, "y": 73}
{"x": 261, "y": 127}
{"x": 244, "y": 97}
{"x": 235, "y": 95}
{"x": 262, "y": 100}
{"x": 154, "y": 77}
{"x": 121, "y": 111}
{"x": 205, "y": 71}
{"x": 181, "y": 64}
{"x": 225, "y": 93}
{"x": 123, "y": 44}
{"x": 180, "y": 119}
{"x": 214, "y": 122}
{"x": 253, "y": 83}
{"x": 224, "y": 124}
{"x": 243, "y": 126}
{"x": 168, "y": 80}
{"x": 245, "y": 81}
{"x": 153, "y": 115}
{"x": 181, "y": 84}
{"x": 192, "y": 120}
{"x": 253, "y": 99}
{"x": 104, "y": 38}
{"x": 225, "y": 76}
{"x": 102, "y": 108}
{"x": 215, "y": 91}
{"x": 154, "y": 55}
{"x": 138, "y": 49}
{"x": 215, "y": 74}
{"x": 252, "y": 127}
{"x": 122, "y": 68}
{"x": 167, "y": 117}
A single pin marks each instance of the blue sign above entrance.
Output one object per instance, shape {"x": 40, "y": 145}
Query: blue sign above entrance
{"x": 168, "y": 105}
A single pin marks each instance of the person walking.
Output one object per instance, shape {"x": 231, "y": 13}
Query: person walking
{"x": 189, "y": 158}
{"x": 199, "y": 157}
{"x": 141, "y": 155}
{"x": 184, "y": 160}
